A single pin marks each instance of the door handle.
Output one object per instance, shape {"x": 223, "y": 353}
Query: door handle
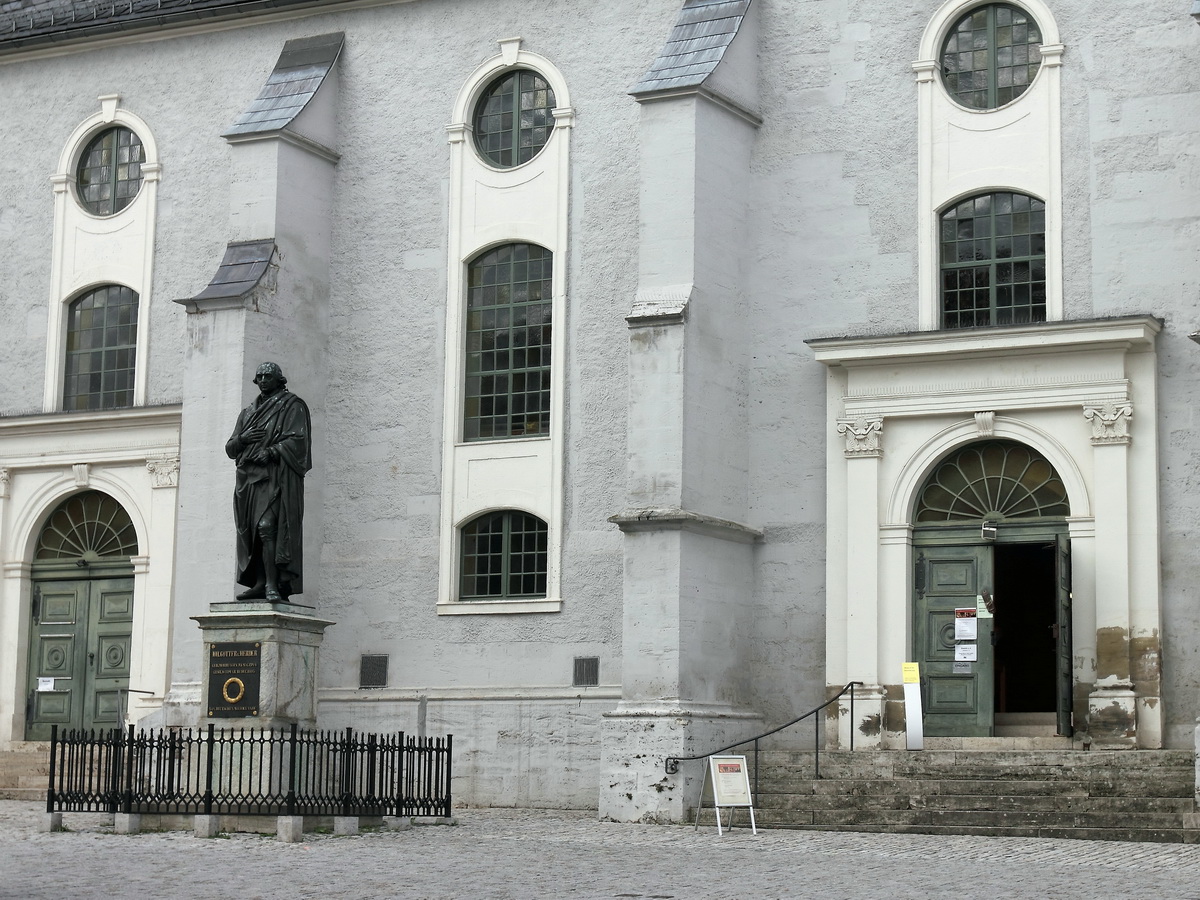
{"x": 91, "y": 659}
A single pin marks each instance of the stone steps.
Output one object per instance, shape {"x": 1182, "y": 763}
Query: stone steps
{"x": 23, "y": 772}
{"x": 1115, "y": 795}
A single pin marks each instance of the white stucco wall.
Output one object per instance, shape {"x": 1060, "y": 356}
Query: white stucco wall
{"x": 828, "y": 247}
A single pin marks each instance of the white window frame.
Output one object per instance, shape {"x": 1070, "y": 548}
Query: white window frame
{"x": 963, "y": 152}
{"x": 527, "y": 203}
{"x": 90, "y": 251}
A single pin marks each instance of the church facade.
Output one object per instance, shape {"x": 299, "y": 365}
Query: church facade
{"x": 671, "y": 365}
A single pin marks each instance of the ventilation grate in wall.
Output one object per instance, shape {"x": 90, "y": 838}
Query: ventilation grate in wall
{"x": 587, "y": 671}
{"x": 372, "y": 671}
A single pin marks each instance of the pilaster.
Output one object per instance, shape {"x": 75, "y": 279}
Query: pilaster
{"x": 1112, "y": 713}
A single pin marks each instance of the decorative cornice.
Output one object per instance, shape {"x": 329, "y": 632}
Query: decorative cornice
{"x": 92, "y": 421}
{"x": 1110, "y": 422}
{"x": 730, "y": 106}
{"x": 164, "y": 471}
{"x": 925, "y": 70}
{"x": 1052, "y": 54}
{"x": 5, "y": 477}
{"x": 1043, "y": 337}
{"x": 564, "y": 116}
{"x": 316, "y": 148}
{"x": 863, "y": 436}
{"x": 674, "y": 518}
{"x": 660, "y": 306}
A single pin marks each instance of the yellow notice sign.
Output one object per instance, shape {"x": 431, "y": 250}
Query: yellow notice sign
{"x": 912, "y": 673}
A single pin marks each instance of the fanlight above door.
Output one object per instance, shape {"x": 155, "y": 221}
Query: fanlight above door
{"x": 992, "y": 480}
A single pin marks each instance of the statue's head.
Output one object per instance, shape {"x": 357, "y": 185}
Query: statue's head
{"x": 270, "y": 373}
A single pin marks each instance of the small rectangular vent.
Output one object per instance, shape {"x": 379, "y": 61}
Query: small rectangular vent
{"x": 372, "y": 671}
{"x": 587, "y": 671}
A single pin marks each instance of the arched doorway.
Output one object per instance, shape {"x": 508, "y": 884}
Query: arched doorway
{"x": 991, "y": 592}
{"x": 81, "y": 616}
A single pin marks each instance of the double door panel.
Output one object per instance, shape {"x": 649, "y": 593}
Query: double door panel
{"x": 79, "y": 654}
{"x": 958, "y": 693}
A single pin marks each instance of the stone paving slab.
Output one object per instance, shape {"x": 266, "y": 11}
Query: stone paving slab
{"x": 510, "y": 854}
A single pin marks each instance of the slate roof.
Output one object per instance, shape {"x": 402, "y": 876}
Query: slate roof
{"x": 301, "y": 68}
{"x": 701, "y": 35}
{"x": 30, "y": 23}
{"x": 241, "y": 269}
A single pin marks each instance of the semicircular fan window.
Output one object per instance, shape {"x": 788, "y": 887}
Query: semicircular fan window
{"x": 992, "y": 480}
{"x": 88, "y": 525}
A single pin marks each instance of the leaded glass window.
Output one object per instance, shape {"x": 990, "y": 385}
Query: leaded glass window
{"x": 110, "y": 171}
{"x": 101, "y": 349}
{"x": 514, "y": 118}
{"x": 991, "y": 56}
{"x": 993, "y": 261}
{"x": 504, "y": 557}
{"x": 992, "y": 480}
{"x": 90, "y": 525}
{"x": 508, "y": 338}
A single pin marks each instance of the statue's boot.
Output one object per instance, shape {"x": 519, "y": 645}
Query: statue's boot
{"x": 258, "y": 592}
{"x": 271, "y": 573}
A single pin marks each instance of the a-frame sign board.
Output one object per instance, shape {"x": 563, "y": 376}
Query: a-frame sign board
{"x": 730, "y": 789}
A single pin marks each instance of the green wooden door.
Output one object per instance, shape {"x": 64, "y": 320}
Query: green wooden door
{"x": 79, "y": 652}
{"x": 958, "y": 693}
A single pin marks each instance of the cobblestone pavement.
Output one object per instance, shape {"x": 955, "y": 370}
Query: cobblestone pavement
{"x": 537, "y": 854}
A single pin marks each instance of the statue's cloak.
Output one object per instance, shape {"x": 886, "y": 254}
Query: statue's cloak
{"x": 278, "y": 483}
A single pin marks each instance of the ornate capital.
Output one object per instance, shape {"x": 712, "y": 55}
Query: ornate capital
{"x": 1110, "y": 421}
{"x": 164, "y": 471}
{"x": 5, "y": 475}
{"x": 863, "y": 435}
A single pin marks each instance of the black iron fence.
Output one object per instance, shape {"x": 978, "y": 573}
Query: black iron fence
{"x": 214, "y": 771}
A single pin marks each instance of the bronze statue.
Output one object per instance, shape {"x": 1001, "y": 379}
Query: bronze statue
{"x": 272, "y": 446}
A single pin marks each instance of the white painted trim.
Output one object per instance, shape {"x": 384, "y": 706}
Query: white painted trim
{"x": 918, "y": 466}
{"x": 528, "y": 203}
{"x": 126, "y": 236}
{"x": 496, "y": 607}
{"x": 510, "y": 57}
{"x": 109, "y": 451}
{"x": 962, "y": 152}
{"x": 950, "y": 12}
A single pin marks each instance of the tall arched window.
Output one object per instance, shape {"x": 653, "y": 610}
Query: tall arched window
{"x": 993, "y": 260}
{"x": 503, "y": 557}
{"x": 101, "y": 349}
{"x": 508, "y": 338}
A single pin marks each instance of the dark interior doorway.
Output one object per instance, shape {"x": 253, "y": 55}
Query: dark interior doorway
{"x": 1025, "y": 638}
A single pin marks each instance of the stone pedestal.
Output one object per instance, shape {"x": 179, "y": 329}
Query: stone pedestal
{"x": 279, "y": 643}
